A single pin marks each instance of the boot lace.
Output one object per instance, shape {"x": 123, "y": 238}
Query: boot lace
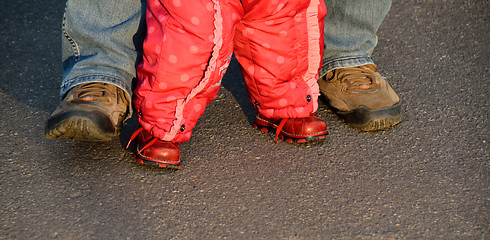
{"x": 135, "y": 134}
{"x": 280, "y": 127}
{"x": 357, "y": 79}
{"x": 97, "y": 92}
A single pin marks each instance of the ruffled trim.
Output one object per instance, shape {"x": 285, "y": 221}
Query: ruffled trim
{"x": 218, "y": 44}
{"x": 314, "y": 51}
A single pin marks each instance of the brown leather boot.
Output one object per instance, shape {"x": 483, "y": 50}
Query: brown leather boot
{"x": 362, "y": 97}
{"x": 89, "y": 112}
{"x": 294, "y": 130}
{"x": 155, "y": 152}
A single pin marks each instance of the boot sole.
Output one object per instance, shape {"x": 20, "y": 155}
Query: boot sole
{"x": 157, "y": 164}
{"x": 141, "y": 159}
{"x": 81, "y": 126}
{"x": 308, "y": 139}
{"x": 367, "y": 120}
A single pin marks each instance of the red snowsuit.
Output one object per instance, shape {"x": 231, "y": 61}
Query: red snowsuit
{"x": 278, "y": 43}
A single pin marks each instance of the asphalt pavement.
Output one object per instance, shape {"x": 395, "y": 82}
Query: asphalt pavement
{"x": 427, "y": 178}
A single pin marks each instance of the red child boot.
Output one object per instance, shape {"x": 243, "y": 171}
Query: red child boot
{"x": 155, "y": 152}
{"x": 294, "y": 130}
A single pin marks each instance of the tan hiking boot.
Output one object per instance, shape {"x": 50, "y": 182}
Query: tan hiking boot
{"x": 89, "y": 112}
{"x": 362, "y": 97}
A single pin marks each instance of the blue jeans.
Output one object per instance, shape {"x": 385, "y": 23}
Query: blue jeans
{"x": 102, "y": 38}
{"x": 350, "y": 32}
{"x": 101, "y": 42}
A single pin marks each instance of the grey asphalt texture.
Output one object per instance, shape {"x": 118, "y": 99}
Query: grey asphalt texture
{"x": 427, "y": 178}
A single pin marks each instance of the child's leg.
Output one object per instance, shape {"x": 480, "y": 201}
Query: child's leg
{"x": 279, "y": 45}
{"x": 186, "y": 52}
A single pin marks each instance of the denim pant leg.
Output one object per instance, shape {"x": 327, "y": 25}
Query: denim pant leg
{"x": 350, "y": 32}
{"x": 101, "y": 42}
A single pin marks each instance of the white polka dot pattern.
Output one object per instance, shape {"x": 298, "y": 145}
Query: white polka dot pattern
{"x": 188, "y": 48}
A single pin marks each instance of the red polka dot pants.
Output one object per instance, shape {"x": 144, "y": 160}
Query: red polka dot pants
{"x": 278, "y": 43}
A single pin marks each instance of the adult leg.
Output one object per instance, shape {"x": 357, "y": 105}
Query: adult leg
{"x": 100, "y": 44}
{"x": 349, "y": 79}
